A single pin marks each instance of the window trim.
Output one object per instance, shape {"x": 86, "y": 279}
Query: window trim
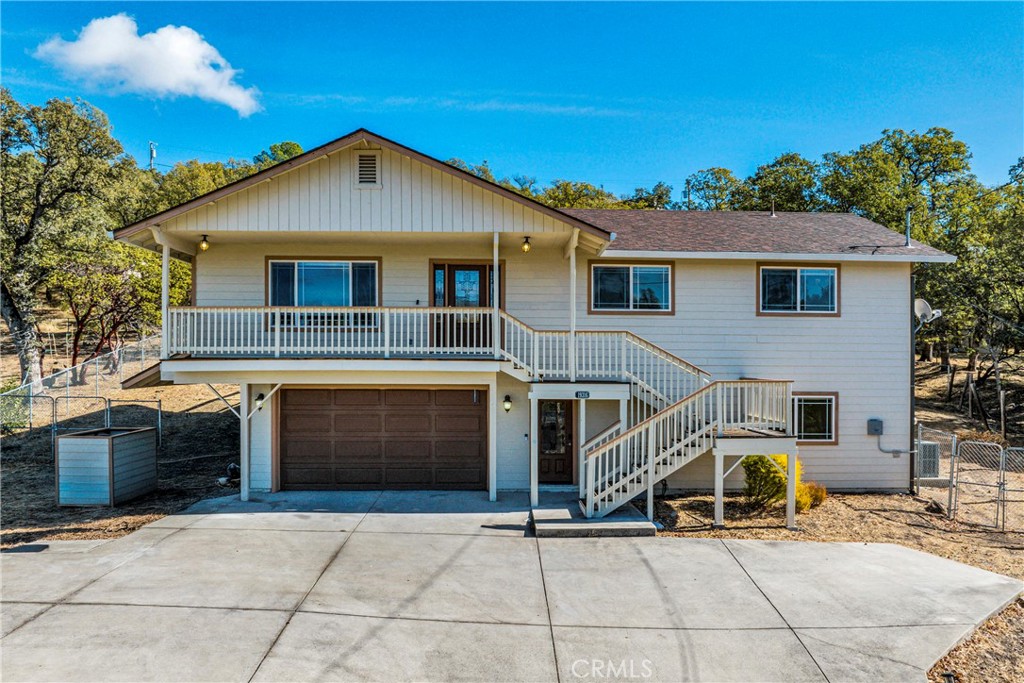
{"x": 322, "y": 259}
{"x": 355, "y": 169}
{"x": 798, "y": 266}
{"x": 591, "y": 264}
{"x": 834, "y": 395}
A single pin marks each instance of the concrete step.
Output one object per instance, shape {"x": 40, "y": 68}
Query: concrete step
{"x": 568, "y": 521}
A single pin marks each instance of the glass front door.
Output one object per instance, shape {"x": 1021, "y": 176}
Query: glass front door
{"x": 458, "y": 285}
{"x": 556, "y": 452}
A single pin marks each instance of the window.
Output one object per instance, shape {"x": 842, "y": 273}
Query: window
{"x": 323, "y": 283}
{"x": 631, "y": 288}
{"x": 799, "y": 290}
{"x": 815, "y": 416}
{"x": 366, "y": 169}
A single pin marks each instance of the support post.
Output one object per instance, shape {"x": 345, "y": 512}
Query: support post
{"x": 791, "y": 491}
{"x": 492, "y": 440}
{"x": 652, "y": 446}
{"x": 534, "y": 464}
{"x": 624, "y": 414}
{"x": 496, "y": 303}
{"x": 572, "y": 311}
{"x": 719, "y": 522}
{"x": 243, "y": 405}
{"x": 581, "y": 429}
{"x": 165, "y": 300}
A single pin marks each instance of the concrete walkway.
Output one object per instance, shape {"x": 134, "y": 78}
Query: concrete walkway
{"x": 449, "y": 587}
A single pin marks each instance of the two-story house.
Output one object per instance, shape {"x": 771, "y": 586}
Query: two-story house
{"x": 394, "y": 322}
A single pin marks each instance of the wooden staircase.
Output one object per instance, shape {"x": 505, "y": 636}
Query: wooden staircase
{"x": 620, "y": 466}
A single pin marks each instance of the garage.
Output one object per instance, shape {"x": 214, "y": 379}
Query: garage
{"x": 368, "y": 438}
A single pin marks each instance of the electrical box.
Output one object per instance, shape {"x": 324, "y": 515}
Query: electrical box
{"x": 874, "y": 427}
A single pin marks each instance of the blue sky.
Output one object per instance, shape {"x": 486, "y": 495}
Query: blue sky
{"x": 617, "y": 94}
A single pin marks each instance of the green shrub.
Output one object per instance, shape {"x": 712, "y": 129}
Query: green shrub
{"x": 765, "y": 485}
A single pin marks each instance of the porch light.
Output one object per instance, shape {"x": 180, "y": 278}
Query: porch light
{"x": 259, "y": 401}
{"x": 204, "y": 243}
{"x": 526, "y": 245}
{"x": 507, "y": 403}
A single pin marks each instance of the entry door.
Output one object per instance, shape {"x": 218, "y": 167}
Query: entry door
{"x": 556, "y": 452}
{"x": 462, "y": 286}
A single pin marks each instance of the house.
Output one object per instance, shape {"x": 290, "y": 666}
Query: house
{"x": 394, "y": 322}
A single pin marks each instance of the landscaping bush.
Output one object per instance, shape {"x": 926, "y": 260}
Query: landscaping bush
{"x": 817, "y": 493}
{"x": 765, "y": 485}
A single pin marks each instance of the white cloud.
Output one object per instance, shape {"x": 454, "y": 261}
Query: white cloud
{"x": 171, "y": 61}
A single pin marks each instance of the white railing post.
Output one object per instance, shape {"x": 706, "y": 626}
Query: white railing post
{"x": 535, "y": 338}
{"x": 387, "y": 333}
{"x": 652, "y": 447}
{"x": 275, "y": 317}
{"x": 720, "y": 396}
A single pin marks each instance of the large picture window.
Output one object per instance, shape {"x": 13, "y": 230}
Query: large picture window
{"x": 631, "y": 288}
{"x": 815, "y": 416}
{"x": 810, "y": 290}
{"x": 323, "y": 283}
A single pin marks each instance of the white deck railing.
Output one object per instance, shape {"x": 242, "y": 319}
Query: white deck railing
{"x": 430, "y": 332}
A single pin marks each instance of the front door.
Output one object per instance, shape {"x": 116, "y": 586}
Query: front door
{"x": 459, "y": 285}
{"x": 556, "y": 452}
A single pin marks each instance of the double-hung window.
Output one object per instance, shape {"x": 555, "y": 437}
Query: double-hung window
{"x": 815, "y": 417}
{"x": 324, "y": 284}
{"x": 631, "y": 288}
{"x": 808, "y": 290}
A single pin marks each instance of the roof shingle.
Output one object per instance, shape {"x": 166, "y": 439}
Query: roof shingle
{"x": 754, "y": 232}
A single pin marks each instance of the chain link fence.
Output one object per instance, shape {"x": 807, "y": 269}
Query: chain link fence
{"x": 981, "y": 482}
{"x": 98, "y": 376}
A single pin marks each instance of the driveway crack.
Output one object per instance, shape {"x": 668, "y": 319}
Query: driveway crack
{"x": 323, "y": 571}
{"x": 781, "y": 616}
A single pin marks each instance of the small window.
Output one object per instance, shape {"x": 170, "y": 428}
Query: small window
{"x": 631, "y": 288}
{"x": 815, "y": 418}
{"x": 799, "y": 290}
{"x": 367, "y": 169}
{"x": 323, "y": 283}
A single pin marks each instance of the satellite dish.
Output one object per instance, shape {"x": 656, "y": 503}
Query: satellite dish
{"x": 925, "y": 313}
{"x": 922, "y": 309}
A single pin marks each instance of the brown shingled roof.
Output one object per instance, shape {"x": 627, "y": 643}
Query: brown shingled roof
{"x": 750, "y": 232}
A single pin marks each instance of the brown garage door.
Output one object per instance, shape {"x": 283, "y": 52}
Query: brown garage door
{"x": 383, "y": 438}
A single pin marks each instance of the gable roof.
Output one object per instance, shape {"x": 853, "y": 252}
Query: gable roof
{"x": 717, "y": 234}
{"x": 352, "y": 138}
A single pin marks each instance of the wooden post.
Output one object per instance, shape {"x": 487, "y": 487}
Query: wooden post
{"x": 791, "y": 491}
{"x": 496, "y": 303}
{"x": 652, "y": 449}
{"x": 719, "y": 522}
{"x": 243, "y": 409}
{"x": 492, "y": 440}
{"x": 580, "y": 440}
{"x": 534, "y": 450}
{"x": 572, "y": 314}
{"x": 165, "y": 300}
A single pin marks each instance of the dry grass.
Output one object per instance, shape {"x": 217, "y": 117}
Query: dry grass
{"x": 200, "y": 439}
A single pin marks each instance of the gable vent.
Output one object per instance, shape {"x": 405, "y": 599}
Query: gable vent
{"x": 368, "y": 169}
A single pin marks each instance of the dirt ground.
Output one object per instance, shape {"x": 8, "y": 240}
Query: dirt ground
{"x": 200, "y": 438}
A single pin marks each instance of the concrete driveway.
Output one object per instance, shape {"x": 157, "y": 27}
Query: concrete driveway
{"x": 447, "y": 586}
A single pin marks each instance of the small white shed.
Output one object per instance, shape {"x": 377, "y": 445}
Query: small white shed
{"x": 106, "y": 466}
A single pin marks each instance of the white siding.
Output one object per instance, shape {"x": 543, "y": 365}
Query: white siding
{"x": 321, "y": 197}
{"x": 261, "y": 441}
{"x": 863, "y": 354}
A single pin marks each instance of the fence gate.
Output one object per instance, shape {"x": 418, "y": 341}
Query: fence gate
{"x": 1013, "y": 489}
{"x": 935, "y": 465}
{"x": 979, "y": 483}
